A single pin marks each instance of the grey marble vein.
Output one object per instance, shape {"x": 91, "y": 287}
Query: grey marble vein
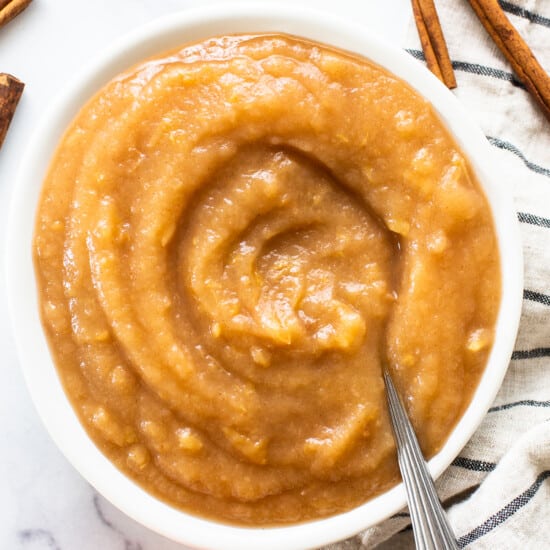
{"x": 44, "y": 537}
{"x": 128, "y": 544}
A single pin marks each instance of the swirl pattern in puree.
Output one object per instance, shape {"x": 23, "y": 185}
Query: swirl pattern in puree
{"x": 230, "y": 240}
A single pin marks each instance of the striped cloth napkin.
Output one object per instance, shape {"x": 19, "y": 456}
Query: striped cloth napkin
{"x": 497, "y": 492}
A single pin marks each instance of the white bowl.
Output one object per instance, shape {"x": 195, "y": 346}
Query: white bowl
{"x": 40, "y": 373}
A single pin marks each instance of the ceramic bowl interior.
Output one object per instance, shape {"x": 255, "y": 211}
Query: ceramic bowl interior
{"x": 43, "y": 383}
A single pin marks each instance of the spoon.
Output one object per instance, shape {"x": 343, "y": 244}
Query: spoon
{"x": 430, "y": 525}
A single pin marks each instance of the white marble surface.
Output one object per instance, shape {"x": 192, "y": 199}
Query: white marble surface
{"x": 44, "y": 503}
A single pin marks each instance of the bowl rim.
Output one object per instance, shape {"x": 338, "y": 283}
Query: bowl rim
{"x": 39, "y": 372}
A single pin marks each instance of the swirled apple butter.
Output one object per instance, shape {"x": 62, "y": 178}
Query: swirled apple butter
{"x": 232, "y": 240}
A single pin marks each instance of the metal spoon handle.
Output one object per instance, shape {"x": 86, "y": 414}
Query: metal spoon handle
{"x": 430, "y": 526}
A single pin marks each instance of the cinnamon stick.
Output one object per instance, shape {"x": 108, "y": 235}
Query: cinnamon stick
{"x": 516, "y": 50}
{"x": 433, "y": 41}
{"x": 10, "y": 92}
{"x": 10, "y": 9}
